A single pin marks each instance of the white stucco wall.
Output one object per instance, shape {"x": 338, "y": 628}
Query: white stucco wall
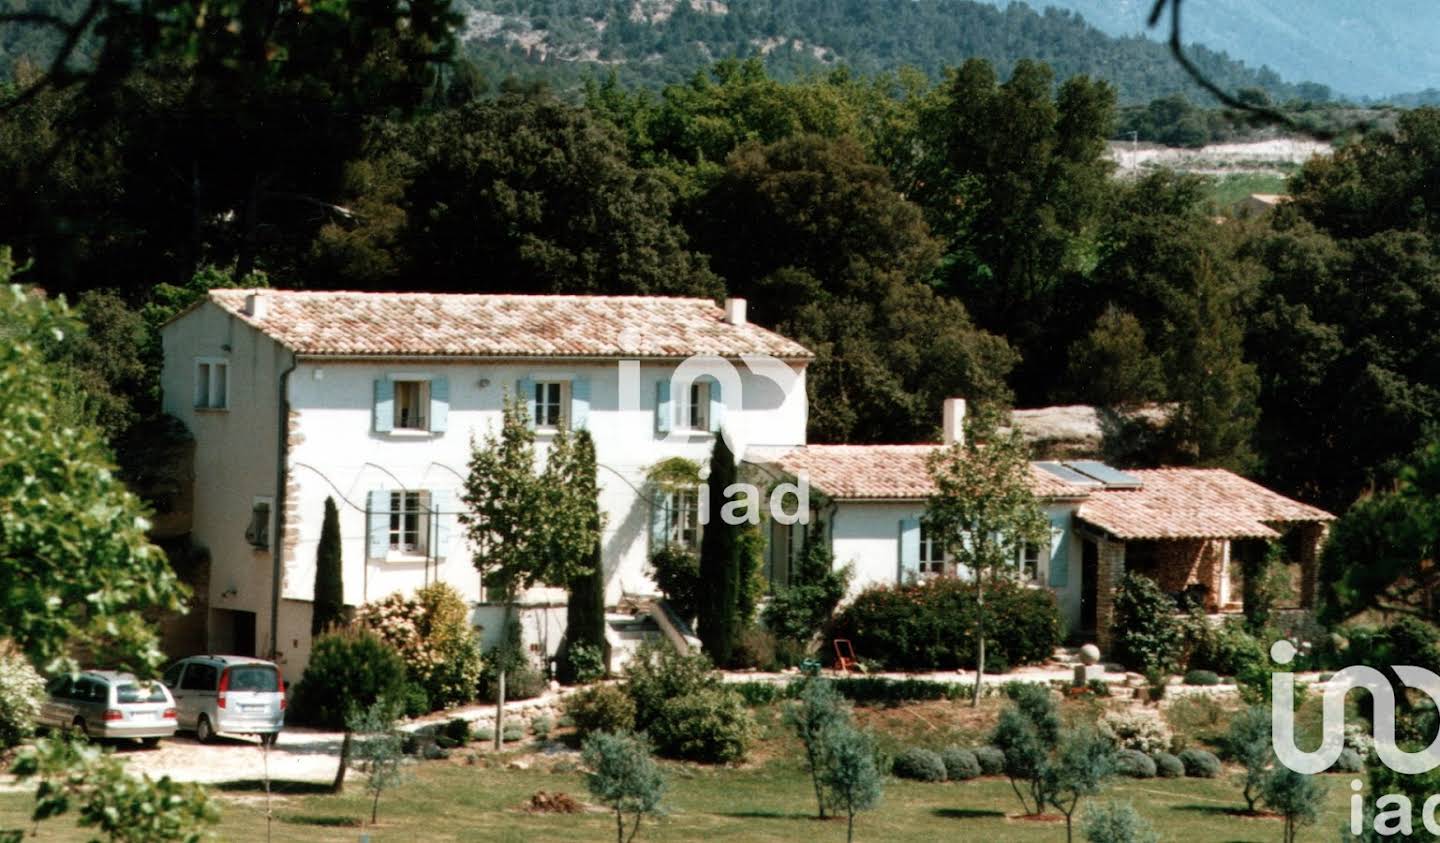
{"x": 866, "y": 536}
{"x": 235, "y": 453}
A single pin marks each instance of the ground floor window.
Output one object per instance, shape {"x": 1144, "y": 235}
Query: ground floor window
{"x": 408, "y": 520}
{"x": 932, "y": 554}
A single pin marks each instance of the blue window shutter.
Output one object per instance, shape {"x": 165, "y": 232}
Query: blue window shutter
{"x": 439, "y": 404}
{"x": 579, "y": 403}
{"x": 1059, "y": 557}
{"x": 525, "y": 391}
{"x": 664, "y": 410}
{"x": 384, "y": 405}
{"x": 717, "y": 407}
{"x": 378, "y": 530}
{"x": 909, "y": 550}
{"x": 659, "y": 520}
{"x": 442, "y": 510}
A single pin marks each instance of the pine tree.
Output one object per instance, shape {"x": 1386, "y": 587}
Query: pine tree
{"x": 329, "y": 602}
{"x": 719, "y": 563}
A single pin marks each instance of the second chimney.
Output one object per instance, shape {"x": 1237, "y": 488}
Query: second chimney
{"x": 256, "y": 304}
{"x": 954, "y": 425}
{"x": 735, "y": 311}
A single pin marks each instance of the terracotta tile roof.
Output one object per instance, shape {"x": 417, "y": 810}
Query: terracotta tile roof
{"x": 1193, "y": 503}
{"x": 464, "y": 325}
{"x": 881, "y": 472}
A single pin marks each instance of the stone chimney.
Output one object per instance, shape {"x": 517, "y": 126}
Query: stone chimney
{"x": 735, "y": 311}
{"x": 954, "y": 425}
{"x": 256, "y": 304}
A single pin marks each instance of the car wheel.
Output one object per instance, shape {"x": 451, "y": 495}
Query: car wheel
{"x": 149, "y": 743}
{"x": 267, "y": 739}
{"x": 203, "y": 732}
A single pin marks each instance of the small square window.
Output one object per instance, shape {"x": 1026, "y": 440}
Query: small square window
{"x": 409, "y": 522}
{"x": 212, "y": 384}
{"x": 258, "y": 533}
{"x": 412, "y": 405}
{"x": 550, "y": 404}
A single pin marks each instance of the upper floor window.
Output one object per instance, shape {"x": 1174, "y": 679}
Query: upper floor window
{"x": 697, "y": 415}
{"x": 212, "y": 383}
{"x": 412, "y": 401}
{"x": 550, "y": 403}
{"x": 409, "y": 519}
{"x": 932, "y": 553}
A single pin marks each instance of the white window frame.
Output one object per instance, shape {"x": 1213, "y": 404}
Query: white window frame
{"x": 213, "y": 399}
{"x": 1028, "y": 562}
{"x": 934, "y": 560}
{"x": 561, "y": 404}
{"x": 422, "y": 403}
{"x": 697, "y": 407}
{"x": 682, "y": 517}
{"x": 269, "y": 504}
{"x": 409, "y": 503}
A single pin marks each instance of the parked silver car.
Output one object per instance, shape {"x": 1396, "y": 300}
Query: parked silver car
{"x": 237, "y": 695}
{"x": 110, "y": 704}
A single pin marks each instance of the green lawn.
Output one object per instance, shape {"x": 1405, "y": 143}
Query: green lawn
{"x": 769, "y": 802}
{"x": 475, "y": 796}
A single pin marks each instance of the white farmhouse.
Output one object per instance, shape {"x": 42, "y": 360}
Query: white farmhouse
{"x": 374, "y": 399}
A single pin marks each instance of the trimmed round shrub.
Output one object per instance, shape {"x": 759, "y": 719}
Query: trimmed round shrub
{"x": 542, "y": 726}
{"x": 600, "y": 708}
{"x": 22, "y": 692}
{"x": 1202, "y": 678}
{"x": 1135, "y": 728}
{"x": 456, "y": 729}
{"x": 1168, "y": 766}
{"x": 711, "y": 725}
{"x": 1348, "y": 762}
{"x": 512, "y": 734}
{"x": 1135, "y": 764}
{"x": 991, "y": 760}
{"x": 922, "y": 765}
{"x": 931, "y": 625}
{"x": 1200, "y": 764}
{"x": 350, "y": 669}
{"x": 960, "y": 764}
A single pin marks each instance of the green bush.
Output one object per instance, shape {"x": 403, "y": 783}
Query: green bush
{"x": 350, "y": 670}
{"x": 414, "y": 701}
{"x": 757, "y": 648}
{"x": 1202, "y": 678}
{"x": 600, "y": 708}
{"x": 586, "y": 663}
{"x": 960, "y": 764}
{"x": 1200, "y": 764}
{"x": 1168, "y": 766}
{"x": 456, "y": 729}
{"x": 864, "y": 690}
{"x": 511, "y": 734}
{"x": 432, "y": 633}
{"x": 931, "y": 625}
{"x": 657, "y": 673}
{"x": 542, "y": 726}
{"x": 919, "y": 764}
{"x": 677, "y": 575}
{"x": 1116, "y": 822}
{"x": 1228, "y": 650}
{"x": 1150, "y": 636}
{"x": 22, "y": 692}
{"x": 710, "y": 725}
{"x": 1135, "y": 764}
{"x": 484, "y": 734}
{"x": 1348, "y": 762}
{"x": 759, "y": 693}
{"x": 799, "y": 613}
{"x": 523, "y": 681}
{"x": 991, "y": 760}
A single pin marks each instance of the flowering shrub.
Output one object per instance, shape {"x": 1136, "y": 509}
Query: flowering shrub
{"x": 432, "y": 632}
{"x": 1138, "y": 729}
{"x": 22, "y": 690}
{"x": 932, "y": 625}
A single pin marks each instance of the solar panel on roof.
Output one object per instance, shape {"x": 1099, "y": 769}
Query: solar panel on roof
{"x": 1069, "y": 475}
{"x": 1113, "y": 478}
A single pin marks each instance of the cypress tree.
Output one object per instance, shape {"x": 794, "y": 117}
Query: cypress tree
{"x": 585, "y": 609}
{"x": 329, "y": 603}
{"x": 719, "y": 563}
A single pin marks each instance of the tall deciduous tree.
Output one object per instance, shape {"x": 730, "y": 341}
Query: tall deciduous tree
{"x": 984, "y": 514}
{"x": 526, "y": 529}
{"x": 719, "y": 625}
{"x": 328, "y": 608}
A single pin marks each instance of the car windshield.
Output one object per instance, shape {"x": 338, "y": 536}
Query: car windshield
{"x": 254, "y": 677}
{"x": 130, "y": 692}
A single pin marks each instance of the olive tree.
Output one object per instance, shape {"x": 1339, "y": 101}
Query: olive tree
{"x": 1080, "y": 769}
{"x": 624, "y": 776}
{"x": 817, "y": 717}
{"x": 984, "y": 513}
{"x": 852, "y": 779}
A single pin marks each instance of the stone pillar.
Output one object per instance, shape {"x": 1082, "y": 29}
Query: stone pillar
{"x": 1312, "y": 537}
{"x": 1109, "y": 570}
